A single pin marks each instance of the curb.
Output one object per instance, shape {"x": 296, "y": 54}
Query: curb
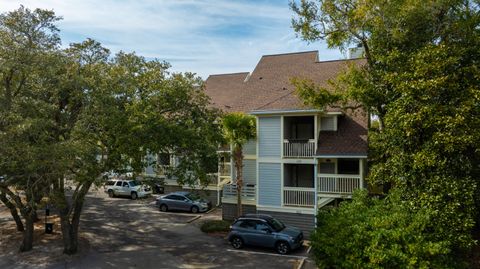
{"x": 193, "y": 219}
{"x": 300, "y": 265}
{"x": 211, "y": 209}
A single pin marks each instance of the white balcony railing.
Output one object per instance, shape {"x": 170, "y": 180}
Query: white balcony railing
{"x": 338, "y": 184}
{"x": 296, "y": 196}
{"x": 298, "y": 148}
{"x": 213, "y": 179}
{"x": 224, "y": 169}
{"x": 162, "y": 169}
{"x": 248, "y": 191}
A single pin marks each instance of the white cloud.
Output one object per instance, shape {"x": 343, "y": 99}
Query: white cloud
{"x": 202, "y": 36}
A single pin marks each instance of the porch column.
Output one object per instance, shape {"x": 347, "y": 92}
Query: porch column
{"x": 315, "y": 185}
{"x": 361, "y": 173}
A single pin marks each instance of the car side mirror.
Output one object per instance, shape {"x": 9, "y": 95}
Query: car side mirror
{"x": 266, "y": 230}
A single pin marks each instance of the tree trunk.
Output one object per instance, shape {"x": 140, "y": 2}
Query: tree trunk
{"x": 238, "y": 159}
{"x": 69, "y": 235}
{"x": 27, "y": 243}
{"x": 13, "y": 211}
{"x": 35, "y": 216}
{"x": 27, "y": 212}
{"x": 70, "y": 218}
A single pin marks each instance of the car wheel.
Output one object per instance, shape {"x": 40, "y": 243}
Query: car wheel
{"x": 164, "y": 208}
{"x": 282, "y": 247}
{"x": 134, "y": 195}
{"x": 111, "y": 194}
{"x": 194, "y": 209}
{"x": 237, "y": 242}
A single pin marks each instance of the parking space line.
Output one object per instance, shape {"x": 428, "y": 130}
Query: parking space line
{"x": 265, "y": 253}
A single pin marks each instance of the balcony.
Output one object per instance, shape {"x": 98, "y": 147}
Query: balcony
{"x": 298, "y": 147}
{"x": 329, "y": 187}
{"x": 338, "y": 184}
{"x": 162, "y": 169}
{"x": 224, "y": 169}
{"x": 249, "y": 193}
{"x": 300, "y": 197}
{"x": 299, "y": 136}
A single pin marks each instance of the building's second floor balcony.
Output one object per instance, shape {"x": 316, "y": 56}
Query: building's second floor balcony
{"x": 298, "y": 147}
{"x": 224, "y": 169}
{"x": 299, "y": 136}
{"x": 249, "y": 193}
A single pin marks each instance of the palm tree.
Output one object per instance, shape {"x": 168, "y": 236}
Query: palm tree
{"x": 238, "y": 128}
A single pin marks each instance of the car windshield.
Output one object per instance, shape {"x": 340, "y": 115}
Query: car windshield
{"x": 134, "y": 183}
{"x": 277, "y": 225}
{"x": 192, "y": 196}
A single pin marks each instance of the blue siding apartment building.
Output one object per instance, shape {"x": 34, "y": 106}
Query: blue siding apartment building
{"x": 303, "y": 158}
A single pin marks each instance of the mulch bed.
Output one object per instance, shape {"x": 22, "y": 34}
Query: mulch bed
{"x": 47, "y": 248}
{"x": 219, "y": 234}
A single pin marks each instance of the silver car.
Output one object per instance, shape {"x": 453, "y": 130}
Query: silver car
{"x": 184, "y": 201}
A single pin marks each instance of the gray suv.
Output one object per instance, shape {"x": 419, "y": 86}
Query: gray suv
{"x": 264, "y": 231}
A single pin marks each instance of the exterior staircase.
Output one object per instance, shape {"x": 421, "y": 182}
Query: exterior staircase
{"x": 323, "y": 201}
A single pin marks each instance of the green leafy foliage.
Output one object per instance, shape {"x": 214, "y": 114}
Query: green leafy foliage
{"x": 69, "y": 116}
{"x": 421, "y": 81}
{"x": 373, "y": 233}
{"x": 432, "y": 139}
{"x": 238, "y": 128}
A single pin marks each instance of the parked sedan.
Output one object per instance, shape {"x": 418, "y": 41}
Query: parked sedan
{"x": 264, "y": 231}
{"x": 185, "y": 201}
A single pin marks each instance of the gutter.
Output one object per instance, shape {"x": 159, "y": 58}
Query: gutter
{"x": 292, "y": 111}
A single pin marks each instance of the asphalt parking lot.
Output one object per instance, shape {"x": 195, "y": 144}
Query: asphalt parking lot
{"x": 124, "y": 233}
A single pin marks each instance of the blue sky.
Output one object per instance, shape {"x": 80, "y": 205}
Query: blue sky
{"x": 201, "y": 36}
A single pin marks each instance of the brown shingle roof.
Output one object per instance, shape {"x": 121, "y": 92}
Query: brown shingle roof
{"x": 350, "y": 139}
{"x": 224, "y": 90}
{"x": 268, "y": 87}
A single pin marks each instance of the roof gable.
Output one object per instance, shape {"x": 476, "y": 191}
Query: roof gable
{"x": 269, "y": 86}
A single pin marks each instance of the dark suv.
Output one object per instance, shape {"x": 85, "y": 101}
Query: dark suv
{"x": 264, "y": 231}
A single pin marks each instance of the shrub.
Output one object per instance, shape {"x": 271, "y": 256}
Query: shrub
{"x": 373, "y": 233}
{"x": 211, "y": 226}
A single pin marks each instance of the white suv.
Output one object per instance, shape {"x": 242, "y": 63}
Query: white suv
{"x": 121, "y": 187}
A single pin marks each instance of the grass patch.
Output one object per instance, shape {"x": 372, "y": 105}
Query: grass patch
{"x": 212, "y": 226}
